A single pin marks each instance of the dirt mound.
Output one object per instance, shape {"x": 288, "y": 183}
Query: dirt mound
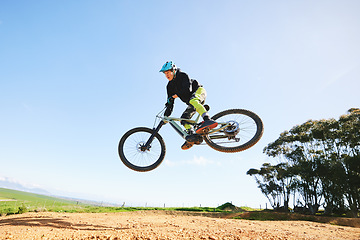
{"x": 230, "y": 207}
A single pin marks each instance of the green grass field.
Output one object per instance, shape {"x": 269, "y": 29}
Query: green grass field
{"x": 14, "y": 202}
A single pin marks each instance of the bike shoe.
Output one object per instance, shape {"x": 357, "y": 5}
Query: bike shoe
{"x": 206, "y": 126}
{"x": 194, "y": 138}
{"x": 187, "y": 145}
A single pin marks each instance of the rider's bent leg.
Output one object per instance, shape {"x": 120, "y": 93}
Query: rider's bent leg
{"x": 196, "y": 105}
{"x": 197, "y": 101}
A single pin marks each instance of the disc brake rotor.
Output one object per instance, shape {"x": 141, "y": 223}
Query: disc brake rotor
{"x": 232, "y": 129}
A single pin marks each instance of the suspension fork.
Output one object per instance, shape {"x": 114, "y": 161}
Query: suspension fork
{"x": 149, "y": 141}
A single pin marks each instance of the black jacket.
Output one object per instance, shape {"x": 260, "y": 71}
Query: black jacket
{"x": 182, "y": 86}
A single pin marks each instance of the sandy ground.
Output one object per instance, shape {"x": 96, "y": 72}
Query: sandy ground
{"x": 161, "y": 225}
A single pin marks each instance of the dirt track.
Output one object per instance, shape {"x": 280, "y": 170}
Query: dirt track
{"x": 161, "y": 225}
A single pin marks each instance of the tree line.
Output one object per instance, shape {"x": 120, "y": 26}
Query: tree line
{"x": 318, "y": 165}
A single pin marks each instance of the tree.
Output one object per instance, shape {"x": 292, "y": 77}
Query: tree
{"x": 320, "y": 161}
{"x": 275, "y": 182}
{"x": 349, "y": 126}
{"x": 301, "y": 155}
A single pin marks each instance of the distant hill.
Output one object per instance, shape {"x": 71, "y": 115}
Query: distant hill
{"x": 11, "y": 184}
{"x": 10, "y": 194}
{"x": 8, "y": 183}
{"x": 34, "y": 201}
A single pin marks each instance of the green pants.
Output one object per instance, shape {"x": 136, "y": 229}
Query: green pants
{"x": 196, "y": 105}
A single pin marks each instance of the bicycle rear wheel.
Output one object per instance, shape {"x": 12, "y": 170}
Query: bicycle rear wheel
{"x": 244, "y": 130}
{"x": 136, "y": 158}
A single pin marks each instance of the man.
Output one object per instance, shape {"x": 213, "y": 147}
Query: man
{"x": 191, "y": 93}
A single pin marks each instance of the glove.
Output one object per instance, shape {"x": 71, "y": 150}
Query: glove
{"x": 169, "y": 109}
{"x": 169, "y": 106}
{"x": 170, "y": 102}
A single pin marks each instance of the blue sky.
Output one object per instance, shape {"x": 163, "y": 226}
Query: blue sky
{"x": 76, "y": 75}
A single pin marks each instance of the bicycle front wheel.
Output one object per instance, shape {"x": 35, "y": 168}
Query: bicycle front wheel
{"x": 134, "y": 156}
{"x": 243, "y": 130}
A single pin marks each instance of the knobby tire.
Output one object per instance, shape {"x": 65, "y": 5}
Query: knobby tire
{"x": 135, "y": 159}
{"x": 249, "y": 143}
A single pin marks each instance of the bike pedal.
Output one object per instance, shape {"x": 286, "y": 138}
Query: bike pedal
{"x": 204, "y": 131}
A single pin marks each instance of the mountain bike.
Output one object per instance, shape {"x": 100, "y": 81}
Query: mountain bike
{"x": 143, "y": 149}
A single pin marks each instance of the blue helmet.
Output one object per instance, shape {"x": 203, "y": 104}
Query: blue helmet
{"x": 168, "y": 66}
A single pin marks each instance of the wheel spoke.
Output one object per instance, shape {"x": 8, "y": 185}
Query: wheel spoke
{"x": 141, "y": 158}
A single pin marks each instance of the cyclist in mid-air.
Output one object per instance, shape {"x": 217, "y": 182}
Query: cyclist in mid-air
{"x": 191, "y": 93}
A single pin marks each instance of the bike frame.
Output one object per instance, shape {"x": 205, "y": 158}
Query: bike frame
{"x": 179, "y": 129}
